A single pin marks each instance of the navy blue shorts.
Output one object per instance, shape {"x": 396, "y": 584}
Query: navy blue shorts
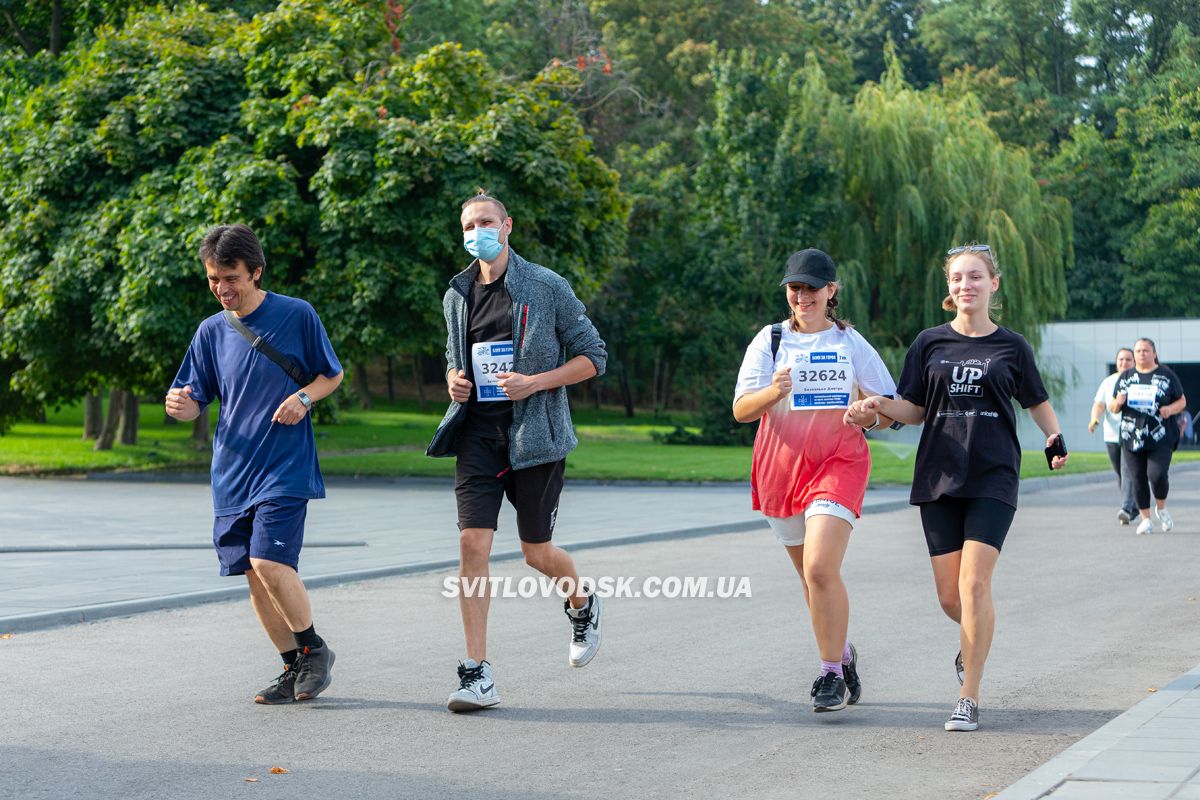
{"x": 272, "y": 530}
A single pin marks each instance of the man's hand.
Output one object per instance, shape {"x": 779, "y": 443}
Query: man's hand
{"x": 290, "y": 411}
{"x": 1163, "y": 412}
{"x": 180, "y": 405}
{"x": 458, "y": 386}
{"x": 1092, "y": 426}
{"x": 516, "y": 385}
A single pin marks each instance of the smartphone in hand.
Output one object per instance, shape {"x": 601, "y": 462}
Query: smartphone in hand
{"x": 1057, "y": 448}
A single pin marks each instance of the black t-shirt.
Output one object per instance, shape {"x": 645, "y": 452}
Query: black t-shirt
{"x": 1141, "y": 426}
{"x": 969, "y": 445}
{"x": 489, "y": 319}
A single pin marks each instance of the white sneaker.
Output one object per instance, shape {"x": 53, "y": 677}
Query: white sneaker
{"x": 477, "y": 687}
{"x": 1145, "y": 526}
{"x": 1164, "y": 519}
{"x": 585, "y": 631}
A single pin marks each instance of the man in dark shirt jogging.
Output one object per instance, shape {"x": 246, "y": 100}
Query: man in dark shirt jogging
{"x": 264, "y": 466}
{"x": 517, "y": 337}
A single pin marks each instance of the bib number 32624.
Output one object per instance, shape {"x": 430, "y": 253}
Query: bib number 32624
{"x": 821, "y": 379}
{"x": 488, "y": 360}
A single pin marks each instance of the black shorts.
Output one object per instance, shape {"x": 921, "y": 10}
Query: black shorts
{"x": 950, "y": 521}
{"x": 483, "y": 477}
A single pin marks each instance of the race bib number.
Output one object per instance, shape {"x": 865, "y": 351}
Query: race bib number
{"x": 1142, "y": 397}
{"x": 821, "y": 379}
{"x": 489, "y": 359}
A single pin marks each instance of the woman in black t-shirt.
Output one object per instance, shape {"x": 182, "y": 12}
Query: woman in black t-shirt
{"x": 1146, "y": 397}
{"x": 959, "y": 379}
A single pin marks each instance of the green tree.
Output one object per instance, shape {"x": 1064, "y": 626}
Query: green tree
{"x": 348, "y": 159}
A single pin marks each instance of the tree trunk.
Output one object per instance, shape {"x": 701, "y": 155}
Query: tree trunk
{"x": 128, "y": 429}
{"x": 361, "y": 387}
{"x": 105, "y": 440}
{"x": 626, "y": 395}
{"x": 93, "y": 410}
{"x": 26, "y": 44}
{"x": 391, "y": 381}
{"x": 56, "y": 24}
{"x": 200, "y": 430}
{"x": 419, "y": 378}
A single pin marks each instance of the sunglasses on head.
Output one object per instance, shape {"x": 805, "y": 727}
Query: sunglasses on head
{"x": 969, "y": 248}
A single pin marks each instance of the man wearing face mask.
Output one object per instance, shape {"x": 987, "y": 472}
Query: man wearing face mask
{"x": 516, "y": 338}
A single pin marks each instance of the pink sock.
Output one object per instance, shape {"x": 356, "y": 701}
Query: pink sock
{"x": 832, "y": 666}
{"x": 847, "y": 656}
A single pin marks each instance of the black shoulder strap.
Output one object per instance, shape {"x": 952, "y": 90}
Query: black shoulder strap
{"x": 286, "y": 364}
{"x": 776, "y": 338}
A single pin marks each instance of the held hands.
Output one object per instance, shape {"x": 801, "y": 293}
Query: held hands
{"x": 862, "y": 412}
{"x": 180, "y": 405}
{"x": 459, "y": 387}
{"x": 290, "y": 411}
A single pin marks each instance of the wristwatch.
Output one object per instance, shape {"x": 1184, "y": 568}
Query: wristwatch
{"x": 874, "y": 425}
{"x": 305, "y": 399}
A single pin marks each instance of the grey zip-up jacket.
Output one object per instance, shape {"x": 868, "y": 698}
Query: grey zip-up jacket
{"x": 549, "y": 328}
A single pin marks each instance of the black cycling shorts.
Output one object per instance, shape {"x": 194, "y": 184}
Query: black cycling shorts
{"x": 483, "y": 477}
{"x": 950, "y": 521}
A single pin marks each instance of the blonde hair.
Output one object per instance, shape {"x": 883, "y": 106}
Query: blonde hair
{"x": 481, "y": 196}
{"x": 987, "y": 256}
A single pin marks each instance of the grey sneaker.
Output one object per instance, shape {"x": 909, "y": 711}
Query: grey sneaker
{"x": 1124, "y": 517}
{"x": 965, "y": 716}
{"x": 959, "y": 668}
{"x": 829, "y": 693}
{"x": 476, "y": 687}
{"x": 850, "y": 671}
{"x": 585, "y": 630}
{"x": 283, "y": 690}
{"x": 313, "y": 667}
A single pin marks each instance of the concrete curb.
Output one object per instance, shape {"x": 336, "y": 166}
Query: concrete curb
{"x": 1047, "y": 778}
{"x": 68, "y": 616}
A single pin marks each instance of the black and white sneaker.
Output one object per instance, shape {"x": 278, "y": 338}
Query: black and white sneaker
{"x": 829, "y": 693}
{"x": 959, "y": 668}
{"x": 965, "y": 716}
{"x": 476, "y": 687}
{"x": 585, "y": 630}
{"x": 850, "y": 671}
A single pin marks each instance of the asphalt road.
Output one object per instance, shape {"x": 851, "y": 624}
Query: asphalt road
{"x": 687, "y": 697}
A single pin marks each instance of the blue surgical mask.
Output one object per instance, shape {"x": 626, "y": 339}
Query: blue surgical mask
{"x": 483, "y": 243}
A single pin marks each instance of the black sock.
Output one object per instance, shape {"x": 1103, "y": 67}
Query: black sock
{"x": 308, "y": 639}
{"x": 289, "y": 657}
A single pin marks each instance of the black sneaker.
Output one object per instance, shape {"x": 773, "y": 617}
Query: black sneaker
{"x": 829, "y": 693}
{"x": 313, "y": 671}
{"x": 283, "y": 690}
{"x": 959, "y": 668}
{"x": 850, "y": 671}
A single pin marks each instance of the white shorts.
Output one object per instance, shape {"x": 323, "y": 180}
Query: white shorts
{"x": 790, "y": 530}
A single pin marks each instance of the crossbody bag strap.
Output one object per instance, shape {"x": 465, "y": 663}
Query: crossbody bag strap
{"x": 285, "y": 363}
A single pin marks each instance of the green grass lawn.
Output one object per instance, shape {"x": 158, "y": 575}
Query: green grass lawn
{"x": 390, "y": 441}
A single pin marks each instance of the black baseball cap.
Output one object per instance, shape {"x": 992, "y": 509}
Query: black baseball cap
{"x": 812, "y": 266}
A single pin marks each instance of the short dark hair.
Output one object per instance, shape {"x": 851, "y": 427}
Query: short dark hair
{"x": 226, "y": 245}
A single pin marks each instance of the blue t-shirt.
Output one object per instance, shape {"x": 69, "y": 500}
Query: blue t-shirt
{"x": 255, "y": 459}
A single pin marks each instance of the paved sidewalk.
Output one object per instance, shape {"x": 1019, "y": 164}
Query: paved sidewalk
{"x": 1151, "y": 752}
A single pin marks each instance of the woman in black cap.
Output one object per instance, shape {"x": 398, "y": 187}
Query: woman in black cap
{"x": 810, "y": 469}
{"x": 959, "y": 379}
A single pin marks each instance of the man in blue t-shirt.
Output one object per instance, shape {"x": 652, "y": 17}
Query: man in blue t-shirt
{"x": 264, "y": 466}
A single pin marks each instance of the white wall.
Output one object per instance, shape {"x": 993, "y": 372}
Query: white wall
{"x": 1078, "y": 354}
